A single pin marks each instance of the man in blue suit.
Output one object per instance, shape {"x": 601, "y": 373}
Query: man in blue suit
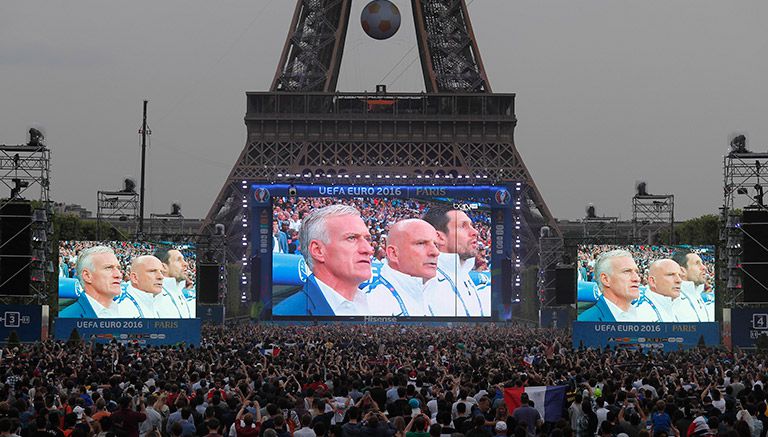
{"x": 336, "y": 244}
{"x": 618, "y": 278}
{"x": 99, "y": 273}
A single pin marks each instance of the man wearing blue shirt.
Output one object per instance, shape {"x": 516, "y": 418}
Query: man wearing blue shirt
{"x": 618, "y": 278}
{"x": 99, "y": 273}
{"x": 336, "y": 245}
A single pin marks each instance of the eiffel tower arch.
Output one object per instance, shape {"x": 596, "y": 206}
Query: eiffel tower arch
{"x": 303, "y": 130}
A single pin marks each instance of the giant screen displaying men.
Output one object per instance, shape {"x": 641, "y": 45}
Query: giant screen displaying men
{"x": 126, "y": 280}
{"x": 380, "y": 256}
{"x": 667, "y": 284}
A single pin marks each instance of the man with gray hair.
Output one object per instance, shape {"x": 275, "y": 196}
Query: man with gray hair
{"x": 99, "y": 274}
{"x": 618, "y": 278}
{"x": 336, "y": 245}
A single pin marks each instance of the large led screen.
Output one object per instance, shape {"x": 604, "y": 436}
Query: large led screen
{"x": 382, "y": 251}
{"x": 646, "y": 283}
{"x": 126, "y": 280}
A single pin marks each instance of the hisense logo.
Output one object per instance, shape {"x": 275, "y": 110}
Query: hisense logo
{"x": 371, "y": 319}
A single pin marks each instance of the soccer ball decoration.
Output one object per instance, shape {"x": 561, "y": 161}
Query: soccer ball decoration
{"x": 380, "y": 19}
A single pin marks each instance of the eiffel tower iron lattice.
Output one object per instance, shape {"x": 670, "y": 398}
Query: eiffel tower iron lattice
{"x": 302, "y": 129}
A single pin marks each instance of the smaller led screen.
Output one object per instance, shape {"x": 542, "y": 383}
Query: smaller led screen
{"x": 126, "y": 280}
{"x": 646, "y": 283}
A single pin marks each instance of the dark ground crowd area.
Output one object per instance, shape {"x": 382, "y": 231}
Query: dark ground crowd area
{"x": 248, "y": 380}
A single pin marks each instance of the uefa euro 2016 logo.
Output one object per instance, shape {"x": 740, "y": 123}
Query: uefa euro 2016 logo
{"x": 503, "y": 197}
{"x": 261, "y": 195}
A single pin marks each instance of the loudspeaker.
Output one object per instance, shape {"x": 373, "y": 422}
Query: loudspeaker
{"x": 754, "y": 280}
{"x": 565, "y": 285}
{"x": 506, "y": 281}
{"x": 208, "y": 283}
{"x": 16, "y": 251}
{"x": 754, "y": 225}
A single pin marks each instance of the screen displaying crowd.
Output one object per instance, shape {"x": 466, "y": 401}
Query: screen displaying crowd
{"x": 646, "y": 283}
{"x": 122, "y": 279}
{"x": 380, "y": 257}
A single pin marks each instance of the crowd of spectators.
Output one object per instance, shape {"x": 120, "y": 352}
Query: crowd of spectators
{"x": 643, "y": 255}
{"x": 379, "y": 213}
{"x": 125, "y": 252}
{"x": 374, "y": 381}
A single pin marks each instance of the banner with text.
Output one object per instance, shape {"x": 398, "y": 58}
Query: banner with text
{"x": 26, "y": 320}
{"x": 660, "y": 336}
{"x": 149, "y": 332}
{"x": 747, "y": 325}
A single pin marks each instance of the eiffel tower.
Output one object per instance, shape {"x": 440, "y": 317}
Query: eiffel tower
{"x": 457, "y": 132}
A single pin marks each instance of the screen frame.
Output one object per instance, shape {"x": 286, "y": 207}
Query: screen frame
{"x": 588, "y": 291}
{"x": 502, "y": 200}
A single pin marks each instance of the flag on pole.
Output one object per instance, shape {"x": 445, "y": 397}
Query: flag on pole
{"x": 548, "y": 400}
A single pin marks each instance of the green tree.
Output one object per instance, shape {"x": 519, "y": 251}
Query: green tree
{"x": 71, "y": 227}
{"x": 698, "y": 231}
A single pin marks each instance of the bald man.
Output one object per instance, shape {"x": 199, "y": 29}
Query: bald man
{"x": 666, "y": 296}
{"x": 661, "y": 301}
{"x": 144, "y": 296}
{"x": 411, "y": 260}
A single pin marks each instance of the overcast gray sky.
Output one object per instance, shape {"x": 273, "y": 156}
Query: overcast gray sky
{"x": 608, "y": 92}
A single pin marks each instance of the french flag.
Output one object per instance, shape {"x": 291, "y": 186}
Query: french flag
{"x": 549, "y": 400}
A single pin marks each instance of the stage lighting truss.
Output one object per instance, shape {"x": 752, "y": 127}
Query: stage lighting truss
{"x": 745, "y": 175}
{"x": 651, "y": 214}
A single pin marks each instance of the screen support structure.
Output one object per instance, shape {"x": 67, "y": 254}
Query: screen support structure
{"x": 745, "y": 176}
{"x": 25, "y": 171}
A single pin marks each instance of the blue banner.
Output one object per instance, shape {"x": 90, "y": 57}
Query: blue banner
{"x": 211, "y": 314}
{"x": 555, "y": 317}
{"x": 150, "y": 332}
{"x": 26, "y": 320}
{"x": 660, "y": 336}
{"x": 498, "y": 197}
{"x": 747, "y": 324}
